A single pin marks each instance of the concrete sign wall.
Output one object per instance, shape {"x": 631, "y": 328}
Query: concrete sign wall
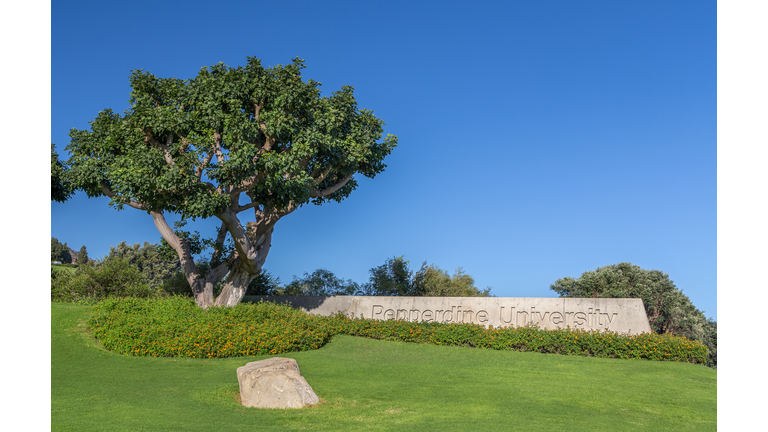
{"x": 618, "y": 315}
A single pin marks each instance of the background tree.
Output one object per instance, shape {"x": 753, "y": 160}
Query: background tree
{"x": 198, "y": 147}
{"x": 82, "y": 256}
{"x": 668, "y": 309}
{"x": 395, "y": 278}
{"x": 115, "y": 277}
{"x": 155, "y": 267}
{"x": 265, "y": 284}
{"x": 60, "y": 252}
{"x": 321, "y": 283}
{"x": 431, "y": 281}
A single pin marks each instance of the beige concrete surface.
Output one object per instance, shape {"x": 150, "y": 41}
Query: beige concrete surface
{"x": 618, "y": 315}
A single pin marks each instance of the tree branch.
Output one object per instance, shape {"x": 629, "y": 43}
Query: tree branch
{"x": 288, "y": 209}
{"x": 243, "y": 244}
{"x": 256, "y": 109}
{"x": 270, "y": 141}
{"x": 148, "y": 137}
{"x": 179, "y": 245}
{"x": 217, "y": 273}
{"x": 199, "y": 169}
{"x": 217, "y": 146}
{"x": 216, "y": 256}
{"x": 246, "y": 207}
{"x": 246, "y": 184}
{"x": 320, "y": 176}
{"x": 329, "y": 190}
{"x": 108, "y": 192}
{"x": 286, "y": 151}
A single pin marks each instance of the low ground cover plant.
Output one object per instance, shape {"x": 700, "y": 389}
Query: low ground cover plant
{"x": 176, "y": 327}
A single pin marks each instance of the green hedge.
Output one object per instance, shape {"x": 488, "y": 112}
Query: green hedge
{"x": 649, "y": 346}
{"x": 177, "y": 327}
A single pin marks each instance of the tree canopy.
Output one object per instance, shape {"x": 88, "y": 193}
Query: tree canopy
{"x": 154, "y": 267}
{"x": 431, "y": 281}
{"x": 321, "y": 282}
{"x": 668, "y": 309}
{"x": 60, "y": 252}
{"x": 395, "y": 278}
{"x": 230, "y": 140}
{"x": 82, "y": 256}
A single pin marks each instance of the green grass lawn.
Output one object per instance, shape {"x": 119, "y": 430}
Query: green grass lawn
{"x": 58, "y": 267}
{"x": 367, "y": 384}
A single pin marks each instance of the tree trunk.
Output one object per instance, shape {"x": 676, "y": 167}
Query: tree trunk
{"x": 202, "y": 290}
{"x": 234, "y": 287}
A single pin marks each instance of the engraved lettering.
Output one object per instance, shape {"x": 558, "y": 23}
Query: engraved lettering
{"x": 581, "y": 318}
{"x": 482, "y": 316}
{"x": 501, "y": 314}
{"x": 464, "y": 315}
{"x": 415, "y": 312}
{"x": 541, "y": 319}
{"x": 567, "y": 317}
{"x": 556, "y": 318}
{"x": 446, "y": 313}
{"x": 525, "y": 319}
{"x": 594, "y": 314}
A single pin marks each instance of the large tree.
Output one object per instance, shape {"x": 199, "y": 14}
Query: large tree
{"x": 231, "y": 140}
{"x": 668, "y": 309}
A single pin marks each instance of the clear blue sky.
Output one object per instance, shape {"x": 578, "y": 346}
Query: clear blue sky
{"x": 537, "y": 139}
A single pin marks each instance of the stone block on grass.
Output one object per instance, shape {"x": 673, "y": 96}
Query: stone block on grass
{"x": 274, "y": 383}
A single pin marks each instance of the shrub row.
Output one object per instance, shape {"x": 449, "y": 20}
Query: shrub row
{"x": 176, "y": 327}
{"x": 649, "y": 346}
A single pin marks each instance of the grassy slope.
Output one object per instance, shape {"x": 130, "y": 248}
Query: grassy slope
{"x": 57, "y": 267}
{"x": 375, "y": 385}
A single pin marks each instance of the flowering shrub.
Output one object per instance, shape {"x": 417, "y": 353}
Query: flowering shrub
{"x": 177, "y": 327}
{"x": 649, "y": 346}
